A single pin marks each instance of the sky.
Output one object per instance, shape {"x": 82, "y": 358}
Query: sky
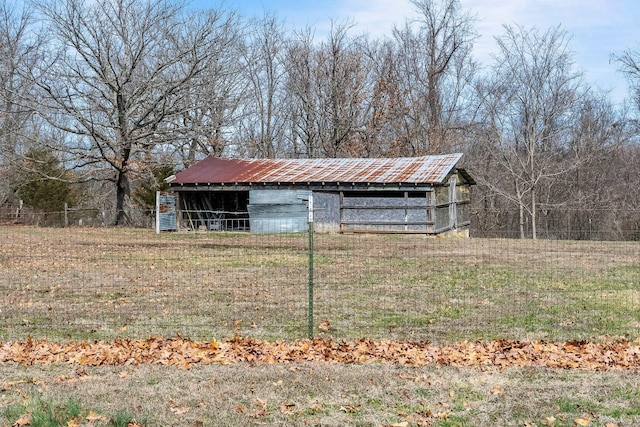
{"x": 597, "y": 28}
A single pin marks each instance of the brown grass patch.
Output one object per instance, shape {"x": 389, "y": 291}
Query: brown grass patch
{"x": 103, "y": 283}
{"x": 312, "y": 394}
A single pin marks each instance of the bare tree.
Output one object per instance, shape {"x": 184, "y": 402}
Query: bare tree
{"x": 262, "y": 125}
{"x": 377, "y": 137}
{"x": 527, "y": 115}
{"x": 341, "y": 78}
{"x": 301, "y": 95}
{"x": 118, "y": 72}
{"x": 434, "y": 70}
{"x": 588, "y": 199}
{"x": 327, "y": 90}
{"x": 20, "y": 50}
{"x": 207, "y": 122}
{"x": 629, "y": 62}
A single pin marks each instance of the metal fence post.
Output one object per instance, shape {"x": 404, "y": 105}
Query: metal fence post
{"x": 310, "y": 297}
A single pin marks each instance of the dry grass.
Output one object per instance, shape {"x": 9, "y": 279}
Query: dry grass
{"x": 320, "y": 394}
{"x": 97, "y": 283}
{"x": 101, "y": 283}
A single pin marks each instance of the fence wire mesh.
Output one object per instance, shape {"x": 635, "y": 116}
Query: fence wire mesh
{"x": 102, "y": 283}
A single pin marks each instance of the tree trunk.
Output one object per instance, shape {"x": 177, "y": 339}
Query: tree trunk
{"x": 122, "y": 194}
{"x": 534, "y": 231}
{"x": 520, "y": 211}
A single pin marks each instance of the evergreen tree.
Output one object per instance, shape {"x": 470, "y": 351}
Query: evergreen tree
{"x": 145, "y": 196}
{"x": 43, "y": 183}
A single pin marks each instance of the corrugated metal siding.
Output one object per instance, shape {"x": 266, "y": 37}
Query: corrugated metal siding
{"x": 278, "y": 211}
{"x": 166, "y": 212}
{"x": 426, "y": 169}
{"x": 278, "y": 197}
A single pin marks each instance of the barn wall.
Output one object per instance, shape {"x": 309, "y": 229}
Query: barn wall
{"x": 407, "y": 208}
{"x": 278, "y": 211}
{"x": 326, "y": 215}
{"x": 386, "y": 211}
{"x": 452, "y": 204}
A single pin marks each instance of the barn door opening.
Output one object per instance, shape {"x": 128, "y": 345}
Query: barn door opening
{"x": 214, "y": 211}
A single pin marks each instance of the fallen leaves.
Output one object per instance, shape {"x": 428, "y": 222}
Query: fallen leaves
{"x": 179, "y": 410}
{"x": 349, "y": 409}
{"x": 549, "y": 421}
{"x": 497, "y": 390}
{"x": 325, "y": 326}
{"x": 287, "y": 407}
{"x": 91, "y": 418}
{"x": 155, "y": 350}
{"x": 184, "y": 353}
{"x": 23, "y": 421}
{"x": 262, "y": 408}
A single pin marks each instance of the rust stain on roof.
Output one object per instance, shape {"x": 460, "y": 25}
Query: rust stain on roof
{"x": 421, "y": 170}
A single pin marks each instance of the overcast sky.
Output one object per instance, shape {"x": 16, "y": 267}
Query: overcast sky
{"x": 597, "y": 27}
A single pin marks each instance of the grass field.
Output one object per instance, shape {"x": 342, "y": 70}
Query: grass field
{"x": 319, "y": 395}
{"x": 104, "y": 283}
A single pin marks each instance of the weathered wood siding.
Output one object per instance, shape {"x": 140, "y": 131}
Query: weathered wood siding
{"x": 326, "y": 211}
{"x": 385, "y": 211}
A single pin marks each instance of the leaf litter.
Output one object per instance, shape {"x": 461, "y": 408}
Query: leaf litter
{"x": 181, "y": 352}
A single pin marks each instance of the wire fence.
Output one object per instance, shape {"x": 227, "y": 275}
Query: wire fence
{"x": 100, "y": 283}
{"x": 20, "y": 214}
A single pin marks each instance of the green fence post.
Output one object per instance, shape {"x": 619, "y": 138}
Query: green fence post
{"x": 310, "y": 297}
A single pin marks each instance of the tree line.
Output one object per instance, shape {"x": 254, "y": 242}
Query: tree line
{"x": 100, "y": 100}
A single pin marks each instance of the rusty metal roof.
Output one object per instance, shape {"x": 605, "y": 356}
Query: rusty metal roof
{"x": 408, "y": 170}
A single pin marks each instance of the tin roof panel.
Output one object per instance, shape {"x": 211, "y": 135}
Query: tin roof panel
{"x": 425, "y": 169}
